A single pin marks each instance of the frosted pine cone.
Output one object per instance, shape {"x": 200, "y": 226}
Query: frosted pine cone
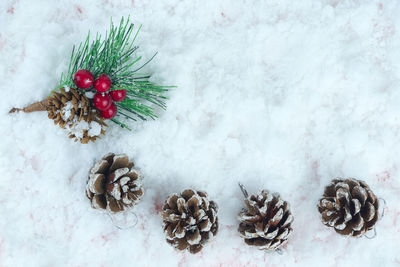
{"x": 114, "y": 184}
{"x": 190, "y": 220}
{"x": 266, "y": 221}
{"x": 71, "y": 110}
{"x": 349, "y": 206}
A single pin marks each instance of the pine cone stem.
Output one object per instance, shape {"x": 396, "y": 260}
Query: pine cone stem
{"x": 37, "y": 106}
{"x": 244, "y": 191}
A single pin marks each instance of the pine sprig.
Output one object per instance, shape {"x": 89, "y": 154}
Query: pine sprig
{"x": 115, "y": 56}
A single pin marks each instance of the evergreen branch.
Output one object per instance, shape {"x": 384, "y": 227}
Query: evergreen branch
{"x": 123, "y": 125}
{"x": 146, "y": 62}
{"x": 127, "y": 116}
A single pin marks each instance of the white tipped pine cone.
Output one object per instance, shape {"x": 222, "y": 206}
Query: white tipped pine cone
{"x": 114, "y": 184}
{"x": 190, "y": 220}
{"x": 266, "y": 221}
{"x": 71, "y": 110}
{"x": 349, "y": 206}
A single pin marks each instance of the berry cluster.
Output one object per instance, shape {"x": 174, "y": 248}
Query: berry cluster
{"x": 104, "y": 99}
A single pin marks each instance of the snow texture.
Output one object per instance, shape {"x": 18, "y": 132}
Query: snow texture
{"x": 280, "y": 95}
{"x": 77, "y": 127}
{"x": 66, "y": 110}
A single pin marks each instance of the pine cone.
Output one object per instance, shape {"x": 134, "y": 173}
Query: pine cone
{"x": 72, "y": 110}
{"x": 266, "y": 221}
{"x": 114, "y": 184}
{"x": 190, "y": 220}
{"x": 349, "y": 206}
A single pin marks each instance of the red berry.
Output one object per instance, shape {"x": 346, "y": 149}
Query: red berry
{"x": 110, "y": 112}
{"x": 118, "y": 95}
{"x": 83, "y": 79}
{"x": 102, "y": 101}
{"x": 102, "y": 84}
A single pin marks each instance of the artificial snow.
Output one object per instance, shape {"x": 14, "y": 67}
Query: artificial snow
{"x": 279, "y": 95}
{"x": 78, "y": 128}
{"x": 89, "y": 94}
{"x": 66, "y": 110}
{"x": 95, "y": 129}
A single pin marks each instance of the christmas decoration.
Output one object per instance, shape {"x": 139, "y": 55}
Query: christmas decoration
{"x": 114, "y": 184}
{"x": 109, "y": 112}
{"x": 83, "y": 79}
{"x": 102, "y": 84}
{"x": 190, "y": 220}
{"x": 102, "y": 101}
{"x": 349, "y": 206}
{"x": 118, "y": 95}
{"x": 108, "y": 69}
{"x": 266, "y": 220}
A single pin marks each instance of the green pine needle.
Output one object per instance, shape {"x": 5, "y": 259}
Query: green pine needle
{"x": 115, "y": 56}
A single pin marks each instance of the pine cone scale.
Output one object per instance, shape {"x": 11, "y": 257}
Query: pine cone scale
{"x": 193, "y": 238}
{"x": 205, "y": 225}
{"x": 98, "y": 183}
{"x": 113, "y": 205}
{"x": 283, "y": 234}
{"x": 368, "y": 212}
{"x": 181, "y": 244}
{"x": 100, "y": 167}
{"x": 99, "y": 202}
{"x": 119, "y": 162}
{"x": 286, "y": 220}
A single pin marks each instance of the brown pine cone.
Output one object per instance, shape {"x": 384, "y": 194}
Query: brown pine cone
{"x": 114, "y": 184}
{"x": 71, "y": 109}
{"x": 266, "y": 221}
{"x": 349, "y": 206}
{"x": 190, "y": 220}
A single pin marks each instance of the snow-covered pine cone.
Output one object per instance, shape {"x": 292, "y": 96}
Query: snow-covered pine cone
{"x": 266, "y": 221}
{"x": 349, "y": 206}
{"x": 114, "y": 184}
{"x": 72, "y": 110}
{"x": 190, "y": 220}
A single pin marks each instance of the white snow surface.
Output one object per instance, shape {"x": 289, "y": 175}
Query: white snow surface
{"x": 280, "y": 95}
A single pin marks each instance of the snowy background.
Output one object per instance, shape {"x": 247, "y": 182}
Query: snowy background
{"x": 283, "y": 95}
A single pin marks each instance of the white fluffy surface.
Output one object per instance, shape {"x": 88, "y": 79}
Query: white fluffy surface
{"x": 283, "y": 95}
